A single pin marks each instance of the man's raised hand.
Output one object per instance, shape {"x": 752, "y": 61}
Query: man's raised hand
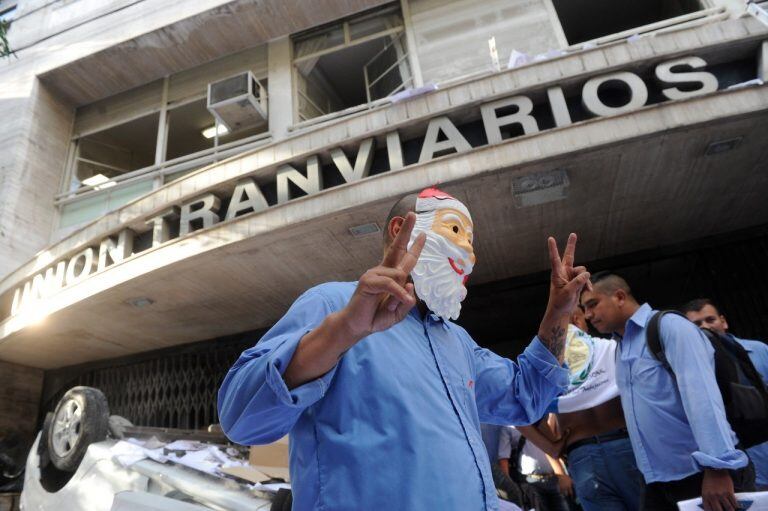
{"x": 384, "y": 296}
{"x": 565, "y": 286}
{"x": 566, "y": 281}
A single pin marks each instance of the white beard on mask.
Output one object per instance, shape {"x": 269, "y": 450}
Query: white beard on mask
{"x": 434, "y": 280}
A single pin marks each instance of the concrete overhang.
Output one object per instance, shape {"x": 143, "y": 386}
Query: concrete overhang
{"x": 226, "y": 29}
{"x": 637, "y": 181}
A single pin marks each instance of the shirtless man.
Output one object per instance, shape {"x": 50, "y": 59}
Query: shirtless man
{"x": 594, "y": 439}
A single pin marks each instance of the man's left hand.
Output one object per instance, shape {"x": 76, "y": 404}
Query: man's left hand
{"x": 565, "y": 286}
{"x": 717, "y": 492}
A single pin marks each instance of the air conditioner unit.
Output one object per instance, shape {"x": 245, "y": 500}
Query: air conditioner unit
{"x": 238, "y": 102}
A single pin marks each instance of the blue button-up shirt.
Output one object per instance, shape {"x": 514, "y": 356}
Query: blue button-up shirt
{"x": 396, "y": 424}
{"x": 758, "y": 354}
{"x": 677, "y": 425}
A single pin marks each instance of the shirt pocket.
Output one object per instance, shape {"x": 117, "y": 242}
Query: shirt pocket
{"x": 649, "y": 373}
{"x": 459, "y": 374}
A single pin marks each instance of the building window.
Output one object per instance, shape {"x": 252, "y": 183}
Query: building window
{"x": 350, "y": 63}
{"x": 614, "y": 16}
{"x": 126, "y": 145}
{"x": 108, "y": 154}
{"x": 190, "y": 129}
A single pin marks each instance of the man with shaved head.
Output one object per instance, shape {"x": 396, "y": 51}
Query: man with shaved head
{"x": 381, "y": 392}
{"x": 681, "y": 438}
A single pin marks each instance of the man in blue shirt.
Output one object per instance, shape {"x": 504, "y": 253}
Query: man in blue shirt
{"x": 705, "y": 314}
{"x": 682, "y": 442}
{"x": 382, "y": 395}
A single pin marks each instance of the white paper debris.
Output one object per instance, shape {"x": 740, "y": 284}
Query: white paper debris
{"x": 185, "y": 445}
{"x": 270, "y": 487}
{"x": 517, "y": 59}
{"x": 127, "y": 453}
{"x": 412, "y": 93}
{"x": 207, "y": 460}
{"x": 549, "y": 54}
{"x": 748, "y": 83}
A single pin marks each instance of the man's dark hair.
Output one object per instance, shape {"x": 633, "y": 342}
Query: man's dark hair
{"x": 608, "y": 282}
{"x": 402, "y": 207}
{"x": 698, "y": 304}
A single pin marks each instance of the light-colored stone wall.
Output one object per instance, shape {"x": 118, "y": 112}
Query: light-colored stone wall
{"x": 36, "y": 125}
{"x": 450, "y": 41}
{"x": 31, "y": 171}
{"x": 60, "y": 35}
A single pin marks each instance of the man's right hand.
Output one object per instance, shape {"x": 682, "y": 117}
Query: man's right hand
{"x": 717, "y": 493}
{"x": 384, "y": 296}
{"x": 565, "y": 485}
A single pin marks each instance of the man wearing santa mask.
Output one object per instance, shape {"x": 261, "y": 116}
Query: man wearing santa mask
{"x": 381, "y": 393}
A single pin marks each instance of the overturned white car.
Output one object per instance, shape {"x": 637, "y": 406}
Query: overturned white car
{"x": 83, "y": 459}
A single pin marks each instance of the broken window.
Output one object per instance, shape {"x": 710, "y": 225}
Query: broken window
{"x": 190, "y": 129}
{"x": 614, "y": 16}
{"x": 350, "y": 63}
{"x": 108, "y": 154}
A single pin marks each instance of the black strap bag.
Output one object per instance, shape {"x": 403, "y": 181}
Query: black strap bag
{"x": 744, "y": 393}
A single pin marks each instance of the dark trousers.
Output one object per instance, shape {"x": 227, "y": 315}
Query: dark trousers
{"x": 545, "y": 495}
{"x": 511, "y": 488}
{"x": 664, "y": 496}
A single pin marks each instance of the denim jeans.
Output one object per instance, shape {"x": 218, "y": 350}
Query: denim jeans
{"x": 605, "y": 476}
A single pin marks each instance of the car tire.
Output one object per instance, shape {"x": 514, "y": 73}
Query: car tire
{"x": 80, "y": 419}
{"x": 42, "y": 445}
{"x": 283, "y": 500}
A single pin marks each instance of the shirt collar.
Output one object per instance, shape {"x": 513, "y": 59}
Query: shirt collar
{"x": 641, "y": 315}
{"x": 738, "y": 340}
{"x": 429, "y": 315}
{"x": 639, "y": 318}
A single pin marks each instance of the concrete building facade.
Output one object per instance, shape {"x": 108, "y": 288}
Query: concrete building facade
{"x": 179, "y": 172}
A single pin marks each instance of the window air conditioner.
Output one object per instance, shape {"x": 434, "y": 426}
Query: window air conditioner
{"x": 238, "y": 102}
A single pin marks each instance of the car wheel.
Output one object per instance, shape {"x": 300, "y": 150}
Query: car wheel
{"x": 80, "y": 419}
{"x": 42, "y": 445}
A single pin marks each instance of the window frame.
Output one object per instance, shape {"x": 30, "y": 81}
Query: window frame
{"x": 709, "y": 9}
{"x": 400, "y": 30}
{"x": 162, "y": 169}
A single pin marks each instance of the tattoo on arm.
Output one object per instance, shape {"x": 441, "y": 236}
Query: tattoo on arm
{"x": 555, "y": 342}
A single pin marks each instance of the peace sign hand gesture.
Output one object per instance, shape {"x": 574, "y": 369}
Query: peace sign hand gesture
{"x": 384, "y": 296}
{"x": 566, "y": 282}
{"x": 565, "y": 286}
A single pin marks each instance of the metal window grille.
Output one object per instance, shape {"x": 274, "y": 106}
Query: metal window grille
{"x": 169, "y": 389}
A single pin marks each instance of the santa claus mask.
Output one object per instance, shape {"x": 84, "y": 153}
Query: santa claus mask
{"x": 447, "y": 258}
